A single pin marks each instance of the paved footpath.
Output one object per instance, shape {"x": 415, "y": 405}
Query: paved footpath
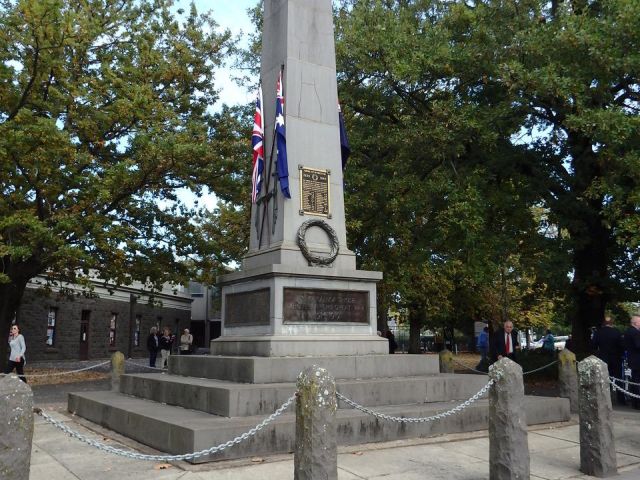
{"x": 555, "y": 454}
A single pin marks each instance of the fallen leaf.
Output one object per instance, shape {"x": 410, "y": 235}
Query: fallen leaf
{"x": 257, "y": 460}
{"x": 162, "y": 466}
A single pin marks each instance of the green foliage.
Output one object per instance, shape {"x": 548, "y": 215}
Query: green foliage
{"x": 104, "y": 118}
{"x": 495, "y": 168}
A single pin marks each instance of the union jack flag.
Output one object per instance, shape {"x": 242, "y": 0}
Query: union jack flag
{"x": 281, "y": 141}
{"x": 257, "y": 142}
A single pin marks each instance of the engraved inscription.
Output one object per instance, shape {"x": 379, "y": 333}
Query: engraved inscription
{"x": 247, "y": 308}
{"x": 314, "y": 191}
{"x": 325, "y": 306}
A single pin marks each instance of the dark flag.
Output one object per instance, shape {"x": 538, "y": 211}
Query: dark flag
{"x": 281, "y": 141}
{"x": 345, "y": 150}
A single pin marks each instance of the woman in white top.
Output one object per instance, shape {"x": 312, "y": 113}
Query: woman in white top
{"x": 186, "y": 340}
{"x": 16, "y": 357}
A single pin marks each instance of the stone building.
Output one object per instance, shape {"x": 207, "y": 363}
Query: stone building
{"x": 58, "y": 327}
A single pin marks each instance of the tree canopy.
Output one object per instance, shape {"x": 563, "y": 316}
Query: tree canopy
{"x": 105, "y": 115}
{"x": 495, "y": 146}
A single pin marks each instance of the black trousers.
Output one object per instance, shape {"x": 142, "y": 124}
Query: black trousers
{"x": 19, "y": 368}
{"x": 152, "y": 358}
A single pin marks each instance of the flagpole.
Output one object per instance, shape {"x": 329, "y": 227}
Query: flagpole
{"x": 269, "y": 194}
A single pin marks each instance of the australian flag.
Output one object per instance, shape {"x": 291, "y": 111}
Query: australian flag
{"x": 345, "y": 149}
{"x": 282, "y": 165}
{"x": 257, "y": 142}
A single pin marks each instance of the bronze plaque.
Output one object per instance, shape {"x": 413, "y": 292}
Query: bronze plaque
{"x": 304, "y": 305}
{"x": 314, "y": 191}
{"x": 247, "y": 309}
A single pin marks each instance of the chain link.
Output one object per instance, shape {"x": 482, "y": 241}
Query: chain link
{"x": 541, "y": 368}
{"x": 167, "y": 458}
{"x": 467, "y": 367}
{"x": 438, "y": 416}
{"x": 523, "y": 373}
{"x": 623, "y": 381}
{"x": 144, "y": 366}
{"x": 626, "y": 392}
{"x": 66, "y": 372}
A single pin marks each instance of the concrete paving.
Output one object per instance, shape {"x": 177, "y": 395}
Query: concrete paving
{"x": 555, "y": 454}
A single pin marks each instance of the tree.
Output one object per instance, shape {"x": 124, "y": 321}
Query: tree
{"x": 103, "y": 119}
{"x": 434, "y": 198}
{"x": 540, "y": 98}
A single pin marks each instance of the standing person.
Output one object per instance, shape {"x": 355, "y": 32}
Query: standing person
{"x": 549, "y": 343}
{"x": 609, "y": 347}
{"x": 16, "y": 357}
{"x": 166, "y": 341}
{"x": 153, "y": 346}
{"x": 632, "y": 345}
{"x": 392, "y": 341}
{"x": 186, "y": 341}
{"x": 483, "y": 344}
{"x": 505, "y": 342}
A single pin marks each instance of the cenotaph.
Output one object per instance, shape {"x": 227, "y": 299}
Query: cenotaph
{"x": 298, "y": 301}
{"x": 299, "y": 292}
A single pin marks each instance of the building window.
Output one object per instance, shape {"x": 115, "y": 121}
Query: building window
{"x": 51, "y": 326}
{"x": 136, "y": 332}
{"x": 196, "y": 289}
{"x": 112, "y": 329}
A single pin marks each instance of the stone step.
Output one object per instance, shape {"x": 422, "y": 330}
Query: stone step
{"x": 177, "y": 430}
{"x": 286, "y": 369}
{"x": 231, "y": 399}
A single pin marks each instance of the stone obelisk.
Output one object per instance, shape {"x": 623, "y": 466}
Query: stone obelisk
{"x": 299, "y": 293}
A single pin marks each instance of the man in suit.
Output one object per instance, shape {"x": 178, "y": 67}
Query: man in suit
{"x": 505, "y": 342}
{"x": 632, "y": 345}
{"x": 607, "y": 343}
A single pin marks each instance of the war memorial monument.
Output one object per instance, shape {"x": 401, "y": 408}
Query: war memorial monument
{"x": 298, "y": 300}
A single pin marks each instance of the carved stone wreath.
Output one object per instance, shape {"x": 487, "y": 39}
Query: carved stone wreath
{"x": 333, "y": 239}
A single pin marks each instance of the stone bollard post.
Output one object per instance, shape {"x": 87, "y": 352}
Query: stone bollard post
{"x": 508, "y": 442}
{"x": 117, "y": 370}
{"x": 446, "y": 361}
{"x": 16, "y": 428}
{"x": 597, "y": 444}
{"x": 568, "y": 378}
{"x": 316, "y": 451}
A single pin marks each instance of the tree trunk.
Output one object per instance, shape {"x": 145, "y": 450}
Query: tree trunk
{"x": 589, "y": 290}
{"x": 382, "y": 308}
{"x": 592, "y": 240}
{"x": 415, "y": 324}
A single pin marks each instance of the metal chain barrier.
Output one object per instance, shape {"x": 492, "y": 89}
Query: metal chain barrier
{"x": 523, "y": 373}
{"x": 142, "y": 365}
{"x": 614, "y": 379}
{"x": 467, "y": 367}
{"x": 166, "y": 458}
{"x": 438, "y": 416}
{"x": 541, "y": 368}
{"x": 66, "y": 372}
{"x": 626, "y": 392}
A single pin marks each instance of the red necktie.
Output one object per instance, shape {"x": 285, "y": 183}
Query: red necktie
{"x": 508, "y": 343}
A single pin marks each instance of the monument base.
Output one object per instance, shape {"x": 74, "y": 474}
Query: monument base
{"x": 300, "y": 346}
{"x": 280, "y": 311}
